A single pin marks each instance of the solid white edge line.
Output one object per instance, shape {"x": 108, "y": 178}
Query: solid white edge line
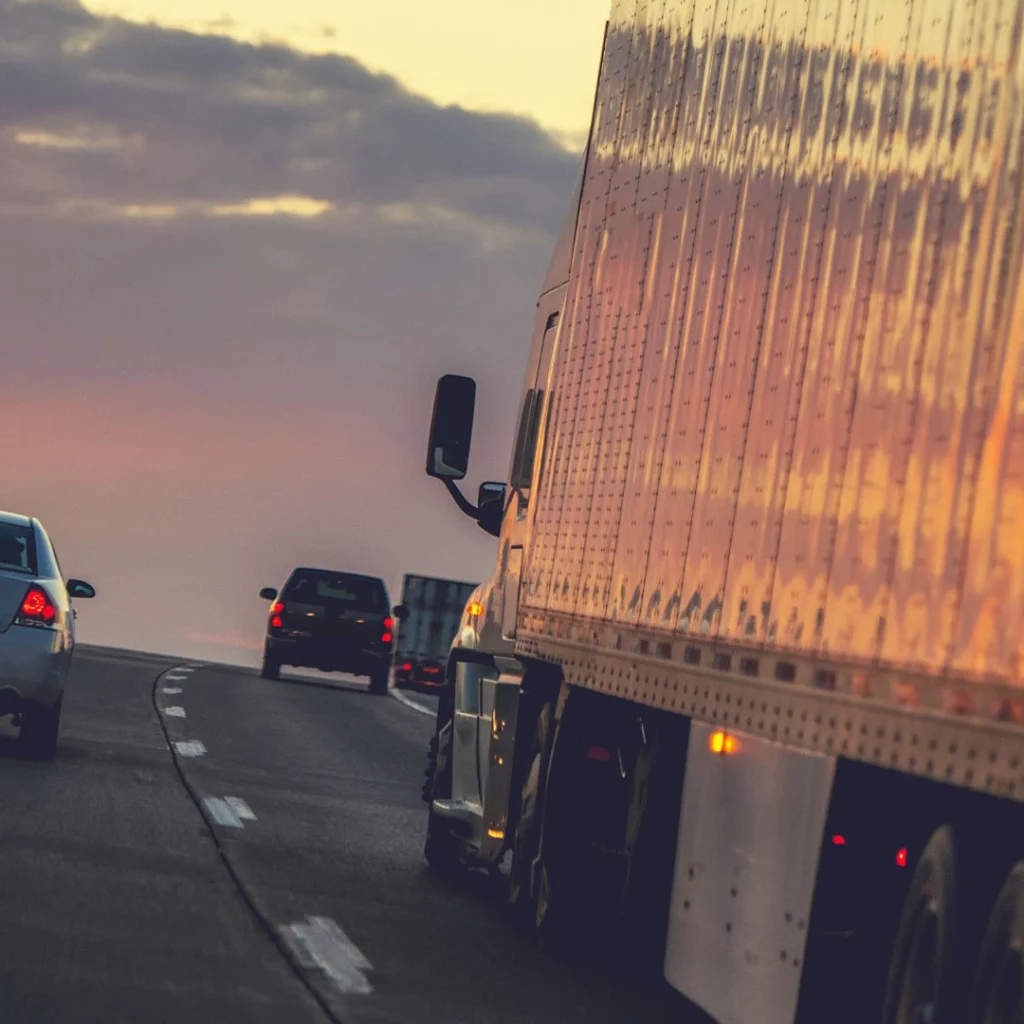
{"x": 240, "y": 807}
{"x": 402, "y": 699}
{"x": 174, "y": 711}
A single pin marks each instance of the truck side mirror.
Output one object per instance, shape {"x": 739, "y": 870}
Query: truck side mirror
{"x": 400, "y": 611}
{"x": 490, "y": 502}
{"x": 490, "y": 491}
{"x": 451, "y": 427}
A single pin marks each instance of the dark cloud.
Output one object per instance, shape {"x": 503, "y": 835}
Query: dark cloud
{"x": 208, "y": 118}
{"x": 223, "y": 396}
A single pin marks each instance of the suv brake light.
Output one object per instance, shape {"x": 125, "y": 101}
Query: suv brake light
{"x": 36, "y": 609}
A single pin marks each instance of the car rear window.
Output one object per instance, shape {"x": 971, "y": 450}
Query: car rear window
{"x": 18, "y": 548}
{"x": 362, "y": 592}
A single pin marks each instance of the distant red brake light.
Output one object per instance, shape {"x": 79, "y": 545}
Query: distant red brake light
{"x": 389, "y": 624}
{"x": 407, "y": 667}
{"x": 37, "y": 608}
{"x": 386, "y": 638}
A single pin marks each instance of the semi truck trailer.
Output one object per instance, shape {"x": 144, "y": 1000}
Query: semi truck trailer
{"x": 744, "y": 694}
{"x": 432, "y": 609}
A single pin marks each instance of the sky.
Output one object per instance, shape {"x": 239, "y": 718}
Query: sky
{"x": 235, "y": 256}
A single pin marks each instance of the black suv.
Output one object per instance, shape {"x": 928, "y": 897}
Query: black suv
{"x": 332, "y": 621}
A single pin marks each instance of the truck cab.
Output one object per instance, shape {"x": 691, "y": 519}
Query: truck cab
{"x": 471, "y": 759}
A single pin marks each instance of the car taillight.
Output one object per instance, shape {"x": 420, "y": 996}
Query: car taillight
{"x": 276, "y": 608}
{"x": 276, "y": 622}
{"x": 407, "y": 667}
{"x": 386, "y": 638}
{"x": 389, "y": 624}
{"x": 36, "y": 609}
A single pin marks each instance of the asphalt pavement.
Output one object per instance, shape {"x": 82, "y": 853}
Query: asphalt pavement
{"x": 209, "y": 846}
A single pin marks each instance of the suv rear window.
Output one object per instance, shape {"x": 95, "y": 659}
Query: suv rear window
{"x": 17, "y": 548}
{"x": 361, "y": 592}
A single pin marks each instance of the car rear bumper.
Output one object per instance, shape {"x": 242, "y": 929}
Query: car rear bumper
{"x": 328, "y": 657}
{"x": 34, "y": 667}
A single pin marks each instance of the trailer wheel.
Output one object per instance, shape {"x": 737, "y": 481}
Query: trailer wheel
{"x": 997, "y": 996}
{"x": 923, "y": 969}
{"x": 526, "y": 842}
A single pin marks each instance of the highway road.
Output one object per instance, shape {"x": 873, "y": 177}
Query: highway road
{"x": 209, "y": 846}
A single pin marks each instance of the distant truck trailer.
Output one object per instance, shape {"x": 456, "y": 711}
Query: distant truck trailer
{"x": 432, "y": 609}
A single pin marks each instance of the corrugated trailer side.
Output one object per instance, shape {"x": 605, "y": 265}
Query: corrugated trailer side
{"x": 747, "y": 672}
{"x": 782, "y": 484}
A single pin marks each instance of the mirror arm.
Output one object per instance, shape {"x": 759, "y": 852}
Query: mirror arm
{"x": 465, "y": 506}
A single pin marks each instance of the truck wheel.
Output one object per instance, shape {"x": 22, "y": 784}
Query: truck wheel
{"x": 271, "y": 668}
{"x": 997, "y": 996}
{"x": 39, "y": 731}
{"x": 923, "y": 969}
{"x": 526, "y": 841}
{"x": 440, "y": 850}
{"x": 379, "y": 683}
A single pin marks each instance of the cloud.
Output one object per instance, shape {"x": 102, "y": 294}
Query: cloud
{"x": 229, "y": 275}
{"x": 203, "y": 118}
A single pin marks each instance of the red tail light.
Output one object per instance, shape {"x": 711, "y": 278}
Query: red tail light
{"x": 901, "y": 857}
{"x": 277, "y": 608}
{"x": 389, "y": 624}
{"x": 407, "y": 667}
{"x": 36, "y": 609}
{"x": 839, "y": 840}
{"x": 386, "y": 638}
{"x": 277, "y": 622}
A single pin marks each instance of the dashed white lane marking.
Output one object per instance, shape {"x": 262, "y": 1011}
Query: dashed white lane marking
{"x": 222, "y": 812}
{"x": 176, "y": 679}
{"x": 190, "y": 748}
{"x": 195, "y": 665}
{"x": 240, "y": 807}
{"x": 170, "y": 690}
{"x": 319, "y": 942}
{"x": 415, "y": 705}
{"x": 174, "y": 711}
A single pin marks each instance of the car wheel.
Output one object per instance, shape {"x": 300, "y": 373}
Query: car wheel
{"x": 40, "y": 729}
{"x": 379, "y": 683}
{"x": 271, "y": 668}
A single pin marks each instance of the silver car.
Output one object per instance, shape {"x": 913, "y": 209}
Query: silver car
{"x": 37, "y": 632}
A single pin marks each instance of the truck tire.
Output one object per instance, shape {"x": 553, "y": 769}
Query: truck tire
{"x": 926, "y": 959}
{"x": 379, "y": 682}
{"x": 440, "y": 850}
{"x": 530, "y": 811}
{"x": 271, "y": 668}
{"x": 40, "y": 730}
{"x": 997, "y": 995}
